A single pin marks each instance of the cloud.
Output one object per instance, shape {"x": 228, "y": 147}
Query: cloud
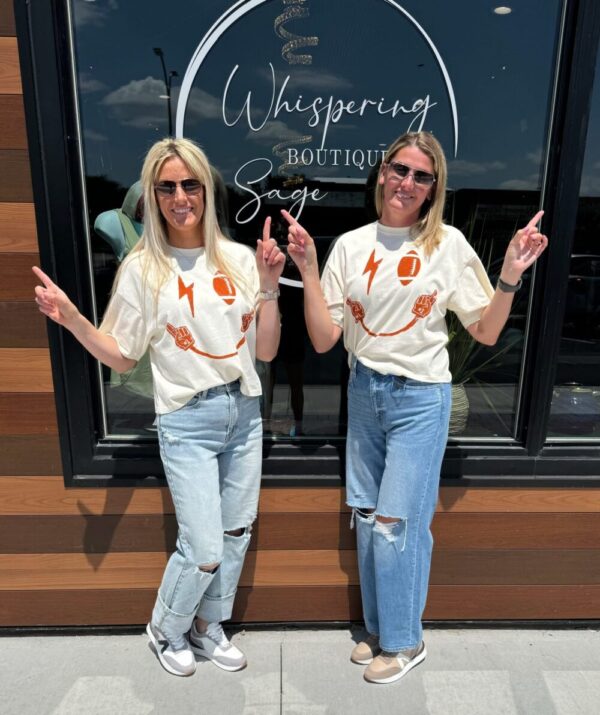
{"x": 274, "y": 131}
{"x": 308, "y": 79}
{"x": 460, "y": 167}
{"x": 94, "y": 136}
{"x": 87, "y": 12}
{"x": 535, "y": 156}
{"x": 88, "y": 84}
{"x": 530, "y": 183}
{"x": 590, "y": 185}
{"x": 142, "y": 103}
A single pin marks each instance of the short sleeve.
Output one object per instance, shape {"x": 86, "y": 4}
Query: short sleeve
{"x": 332, "y": 285}
{"x": 124, "y": 317}
{"x": 125, "y": 323}
{"x": 473, "y": 292}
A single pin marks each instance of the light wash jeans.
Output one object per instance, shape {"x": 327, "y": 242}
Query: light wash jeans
{"x": 212, "y": 455}
{"x": 397, "y": 432}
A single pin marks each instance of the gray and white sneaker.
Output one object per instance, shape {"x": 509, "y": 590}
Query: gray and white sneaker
{"x": 178, "y": 661}
{"x": 214, "y": 645}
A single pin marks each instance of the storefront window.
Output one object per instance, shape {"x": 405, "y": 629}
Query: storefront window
{"x": 575, "y": 411}
{"x": 294, "y": 102}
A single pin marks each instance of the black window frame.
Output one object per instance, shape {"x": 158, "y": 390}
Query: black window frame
{"x": 48, "y": 84}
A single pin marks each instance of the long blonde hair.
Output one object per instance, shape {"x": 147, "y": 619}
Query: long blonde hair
{"x": 152, "y": 249}
{"x": 428, "y": 230}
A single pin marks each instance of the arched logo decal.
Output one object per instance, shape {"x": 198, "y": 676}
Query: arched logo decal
{"x": 243, "y": 7}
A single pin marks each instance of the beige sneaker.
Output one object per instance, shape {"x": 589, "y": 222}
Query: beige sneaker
{"x": 388, "y": 667}
{"x": 364, "y": 652}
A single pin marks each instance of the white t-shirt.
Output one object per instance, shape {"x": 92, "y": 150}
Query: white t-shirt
{"x": 390, "y": 300}
{"x": 201, "y": 334}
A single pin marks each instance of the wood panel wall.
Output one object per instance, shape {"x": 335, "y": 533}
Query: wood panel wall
{"x": 95, "y": 556}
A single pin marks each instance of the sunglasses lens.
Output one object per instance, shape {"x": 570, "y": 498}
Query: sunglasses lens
{"x": 165, "y": 188}
{"x": 423, "y": 178}
{"x": 191, "y": 186}
{"x": 419, "y": 177}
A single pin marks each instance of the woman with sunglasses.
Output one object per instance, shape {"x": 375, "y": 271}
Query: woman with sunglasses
{"x": 386, "y": 287}
{"x": 205, "y": 307}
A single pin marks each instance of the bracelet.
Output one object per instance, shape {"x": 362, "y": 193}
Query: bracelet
{"x": 268, "y": 294}
{"x": 508, "y": 287}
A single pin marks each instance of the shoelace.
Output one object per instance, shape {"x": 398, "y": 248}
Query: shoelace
{"x": 215, "y": 632}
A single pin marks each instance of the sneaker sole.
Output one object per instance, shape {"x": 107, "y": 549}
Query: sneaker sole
{"x": 167, "y": 666}
{"x": 201, "y": 653}
{"x": 392, "y": 679}
{"x": 365, "y": 661}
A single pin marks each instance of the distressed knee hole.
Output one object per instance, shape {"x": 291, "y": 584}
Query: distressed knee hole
{"x": 237, "y": 532}
{"x": 392, "y": 529}
{"x": 209, "y": 568}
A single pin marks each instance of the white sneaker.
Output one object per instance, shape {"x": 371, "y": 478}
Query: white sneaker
{"x": 214, "y": 645}
{"x": 177, "y": 662}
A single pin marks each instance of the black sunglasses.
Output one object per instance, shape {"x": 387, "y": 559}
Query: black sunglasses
{"x": 168, "y": 188}
{"x": 423, "y": 178}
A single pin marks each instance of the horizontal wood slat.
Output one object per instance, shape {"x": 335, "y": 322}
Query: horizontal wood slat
{"x": 10, "y": 73}
{"x": 25, "y": 370}
{"x": 296, "y": 604}
{"x": 116, "y": 533}
{"x": 27, "y": 413}
{"x": 12, "y": 122}
{"x": 29, "y": 454}
{"x": 18, "y": 281}
{"x": 18, "y": 233}
{"x": 7, "y": 19}
{"x": 297, "y": 568}
{"x": 22, "y": 326}
{"x": 15, "y": 177}
{"x": 48, "y": 495}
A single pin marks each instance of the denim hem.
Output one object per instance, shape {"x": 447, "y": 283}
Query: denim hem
{"x": 216, "y": 610}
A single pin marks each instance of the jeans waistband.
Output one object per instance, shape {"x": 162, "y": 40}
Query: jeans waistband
{"x": 228, "y": 388}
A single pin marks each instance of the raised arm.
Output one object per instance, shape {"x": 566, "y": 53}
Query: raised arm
{"x": 323, "y": 332}
{"x": 524, "y": 249}
{"x": 55, "y": 304}
{"x": 269, "y": 262}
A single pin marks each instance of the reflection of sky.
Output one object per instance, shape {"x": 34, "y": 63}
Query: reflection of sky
{"x": 367, "y": 50}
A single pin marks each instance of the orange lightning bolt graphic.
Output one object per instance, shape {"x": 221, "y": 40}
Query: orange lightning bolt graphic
{"x": 372, "y": 266}
{"x": 189, "y": 291}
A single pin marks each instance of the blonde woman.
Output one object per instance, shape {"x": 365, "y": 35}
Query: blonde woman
{"x": 386, "y": 287}
{"x": 205, "y": 308}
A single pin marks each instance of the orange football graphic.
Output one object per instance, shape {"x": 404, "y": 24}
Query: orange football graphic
{"x": 409, "y": 267}
{"x": 223, "y": 286}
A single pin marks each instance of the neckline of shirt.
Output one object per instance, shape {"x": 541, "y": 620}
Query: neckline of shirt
{"x": 187, "y": 252}
{"x": 401, "y": 231}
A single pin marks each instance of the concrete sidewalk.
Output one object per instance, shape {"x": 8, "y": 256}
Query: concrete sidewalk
{"x": 298, "y": 672}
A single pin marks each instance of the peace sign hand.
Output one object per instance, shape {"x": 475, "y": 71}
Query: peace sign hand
{"x": 301, "y": 246}
{"x": 52, "y": 301}
{"x": 525, "y": 247}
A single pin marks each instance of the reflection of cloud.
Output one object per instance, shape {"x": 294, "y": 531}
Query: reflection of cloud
{"x": 88, "y": 84}
{"x": 531, "y": 183}
{"x": 590, "y": 185}
{"x": 310, "y": 79}
{"x": 142, "y": 103}
{"x": 201, "y": 105}
{"x": 274, "y": 131}
{"x": 87, "y": 13}
{"x": 138, "y": 103}
{"x": 461, "y": 167}
{"x": 535, "y": 156}
{"x": 94, "y": 136}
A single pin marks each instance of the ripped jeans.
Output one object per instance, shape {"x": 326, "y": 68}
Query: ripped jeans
{"x": 397, "y": 432}
{"x": 211, "y": 450}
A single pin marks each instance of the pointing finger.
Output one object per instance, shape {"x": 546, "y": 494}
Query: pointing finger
{"x": 266, "y": 234}
{"x": 43, "y": 277}
{"x": 535, "y": 220}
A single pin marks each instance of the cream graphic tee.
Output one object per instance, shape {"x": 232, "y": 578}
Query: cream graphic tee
{"x": 390, "y": 299}
{"x": 201, "y": 334}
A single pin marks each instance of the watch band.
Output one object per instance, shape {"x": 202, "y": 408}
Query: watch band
{"x": 268, "y": 294}
{"x": 508, "y": 287}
